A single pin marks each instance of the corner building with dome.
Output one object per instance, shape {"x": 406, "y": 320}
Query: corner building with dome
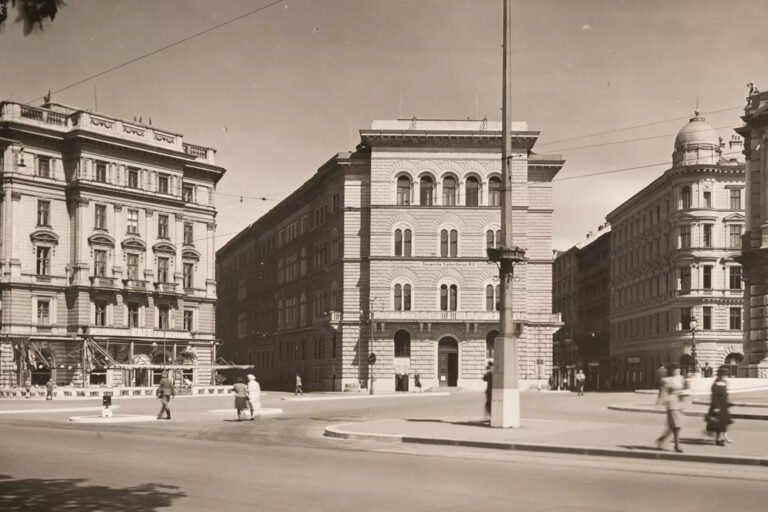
{"x": 673, "y": 269}
{"x": 383, "y": 251}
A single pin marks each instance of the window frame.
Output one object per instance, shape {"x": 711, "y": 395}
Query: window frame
{"x": 44, "y": 213}
{"x": 100, "y": 217}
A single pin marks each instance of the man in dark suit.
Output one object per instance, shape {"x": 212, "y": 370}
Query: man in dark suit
{"x": 164, "y": 393}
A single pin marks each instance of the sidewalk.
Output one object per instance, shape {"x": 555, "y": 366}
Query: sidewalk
{"x": 313, "y": 397}
{"x": 563, "y": 436}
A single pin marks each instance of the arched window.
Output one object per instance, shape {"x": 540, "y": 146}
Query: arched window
{"x": 449, "y": 295}
{"x": 449, "y": 243}
{"x": 498, "y": 238}
{"x": 402, "y": 297}
{"x": 303, "y": 262}
{"x": 406, "y": 297}
{"x": 334, "y": 296}
{"x": 426, "y": 191}
{"x": 403, "y": 242}
{"x": 403, "y": 190}
{"x": 494, "y": 192}
{"x": 685, "y": 197}
{"x": 472, "y": 188}
{"x": 303, "y": 310}
{"x": 280, "y": 318}
{"x": 490, "y": 240}
{"x": 498, "y": 297}
{"x": 492, "y": 298}
{"x": 398, "y": 297}
{"x": 402, "y": 344}
{"x": 490, "y": 342}
{"x": 449, "y": 191}
{"x": 280, "y": 271}
{"x": 334, "y": 245}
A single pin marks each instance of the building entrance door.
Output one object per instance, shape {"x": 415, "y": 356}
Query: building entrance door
{"x": 448, "y": 362}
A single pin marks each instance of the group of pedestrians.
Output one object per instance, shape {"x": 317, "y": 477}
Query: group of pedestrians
{"x": 672, "y": 392}
{"x": 247, "y": 396}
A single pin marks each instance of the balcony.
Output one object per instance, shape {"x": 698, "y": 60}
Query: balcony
{"x": 103, "y": 282}
{"x": 708, "y": 292}
{"x": 167, "y": 288}
{"x": 135, "y": 284}
{"x": 459, "y": 316}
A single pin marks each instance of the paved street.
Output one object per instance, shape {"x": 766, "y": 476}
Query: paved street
{"x": 203, "y": 461}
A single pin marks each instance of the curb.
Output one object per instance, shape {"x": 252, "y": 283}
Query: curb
{"x": 128, "y": 418}
{"x": 61, "y": 409}
{"x": 334, "y": 431}
{"x": 362, "y": 397}
{"x": 736, "y": 404}
{"x": 700, "y": 414}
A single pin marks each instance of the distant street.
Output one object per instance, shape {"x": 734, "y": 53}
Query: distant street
{"x": 202, "y": 461}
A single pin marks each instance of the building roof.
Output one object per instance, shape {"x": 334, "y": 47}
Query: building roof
{"x": 696, "y": 131}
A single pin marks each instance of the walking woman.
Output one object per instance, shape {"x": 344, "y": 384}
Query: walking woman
{"x": 673, "y": 392}
{"x": 718, "y": 417}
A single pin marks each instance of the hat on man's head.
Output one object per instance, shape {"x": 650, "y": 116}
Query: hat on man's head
{"x": 251, "y": 377}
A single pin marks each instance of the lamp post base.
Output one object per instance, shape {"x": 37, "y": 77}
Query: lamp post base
{"x": 505, "y": 408}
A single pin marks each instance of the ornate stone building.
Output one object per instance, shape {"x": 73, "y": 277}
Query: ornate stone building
{"x": 106, "y": 249}
{"x": 673, "y": 254}
{"x": 755, "y": 246}
{"x": 383, "y": 251}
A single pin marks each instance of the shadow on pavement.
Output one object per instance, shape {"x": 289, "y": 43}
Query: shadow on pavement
{"x": 697, "y": 441}
{"x": 639, "y": 447}
{"x": 68, "y": 494}
{"x": 468, "y": 423}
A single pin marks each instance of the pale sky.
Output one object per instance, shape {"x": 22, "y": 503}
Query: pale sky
{"x": 279, "y": 92}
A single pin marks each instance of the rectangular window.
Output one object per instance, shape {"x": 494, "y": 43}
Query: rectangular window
{"x": 101, "y": 313}
{"x": 707, "y": 199}
{"x": 734, "y": 278}
{"x": 162, "y": 184}
{"x": 685, "y": 318}
{"x": 707, "y": 277}
{"x": 736, "y": 199}
{"x": 132, "y": 224}
{"x": 685, "y": 279}
{"x": 100, "y": 220}
{"x": 707, "y": 235}
{"x": 43, "y": 261}
{"x": 43, "y": 312}
{"x": 133, "y": 266}
{"x": 734, "y": 236}
{"x": 99, "y": 263}
{"x": 189, "y": 269}
{"x": 187, "y": 233}
{"x": 735, "y": 319}
{"x": 133, "y": 315}
{"x": 133, "y": 178}
{"x": 685, "y": 237}
{"x": 188, "y": 325}
{"x": 707, "y": 317}
{"x": 163, "y": 317}
{"x": 43, "y": 213}
{"x": 162, "y": 226}
{"x": 162, "y": 270}
{"x": 101, "y": 172}
{"x": 188, "y": 193}
{"x": 44, "y": 167}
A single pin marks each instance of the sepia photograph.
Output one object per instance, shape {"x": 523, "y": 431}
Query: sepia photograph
{"x": 377, "y": 255}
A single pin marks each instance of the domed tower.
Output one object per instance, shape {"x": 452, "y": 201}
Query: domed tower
{"x": 696, "y": 143}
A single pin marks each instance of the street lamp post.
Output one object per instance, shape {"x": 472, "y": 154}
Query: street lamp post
{"x": 694, "y": 363}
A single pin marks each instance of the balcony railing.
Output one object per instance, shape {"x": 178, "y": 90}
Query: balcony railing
{"x": 103, "y": 282}
{"x": 458, "y": 316}
{"x": 196, "y": 151}
{"x": 165, "y": 287}
{"x": 135, "y": 284}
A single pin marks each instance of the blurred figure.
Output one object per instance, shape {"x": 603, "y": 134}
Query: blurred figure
{"x": 580, "y": 379}
{"x": 417, "y": 382}
{"x": 488, "y": 378}
{"x": 661, "y": 374}
{"x": 299, "y": 390}
{"x": 254, "y": 394}
{"x": 719, "y": 417}
{"x": 164, "y": 393}
{"x": 241, "y": 396}
{"x": 673, "y": 392}
{"x": 49, "y": 389}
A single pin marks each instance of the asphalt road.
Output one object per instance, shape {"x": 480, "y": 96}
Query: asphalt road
{"x": 207, "y": 462}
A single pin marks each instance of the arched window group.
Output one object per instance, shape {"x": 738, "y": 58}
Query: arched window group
{"x": 492, "y": 298}
{"x": 402, "y": 297}
{"x": 493, "y": 239}
{"x": 449, "y": 243}
{"x": 449, "y": 297}
{"x": 450, "y": 191}
{"x": 403, "y": 242}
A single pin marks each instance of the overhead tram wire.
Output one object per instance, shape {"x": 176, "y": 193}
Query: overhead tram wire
{"x": 166, "y": 47}
{"x": 554, "y": 142}
{"x": 625, "y": 169}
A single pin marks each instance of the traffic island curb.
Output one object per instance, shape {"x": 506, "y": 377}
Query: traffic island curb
{"x": 117, "y": 418}
{"x": 652, "y": 409}
{"x": 337, "y": 432}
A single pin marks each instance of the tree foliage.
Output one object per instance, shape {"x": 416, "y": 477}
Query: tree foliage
{"x": 30, "y": 12}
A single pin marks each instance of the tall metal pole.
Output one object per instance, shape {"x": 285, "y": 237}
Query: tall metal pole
{"x": 505, "y": 397}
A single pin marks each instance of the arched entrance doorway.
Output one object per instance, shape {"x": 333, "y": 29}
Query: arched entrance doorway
{"x": 448, "y": 362}
{"x": 732, "y": 361}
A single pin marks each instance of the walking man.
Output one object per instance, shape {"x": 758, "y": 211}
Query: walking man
{"x": 488, "y": 378}
{"x": 164, "y": 393}
{"x": 661, "y": 374}
{"x": 241, "y": 397}
{"x": 254, "y": 394}
{"x": 49, "y": 389}
{"x": 580, "y": 379}
{"x": 298, "y": 391}
{"x": 673, "y": 393}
